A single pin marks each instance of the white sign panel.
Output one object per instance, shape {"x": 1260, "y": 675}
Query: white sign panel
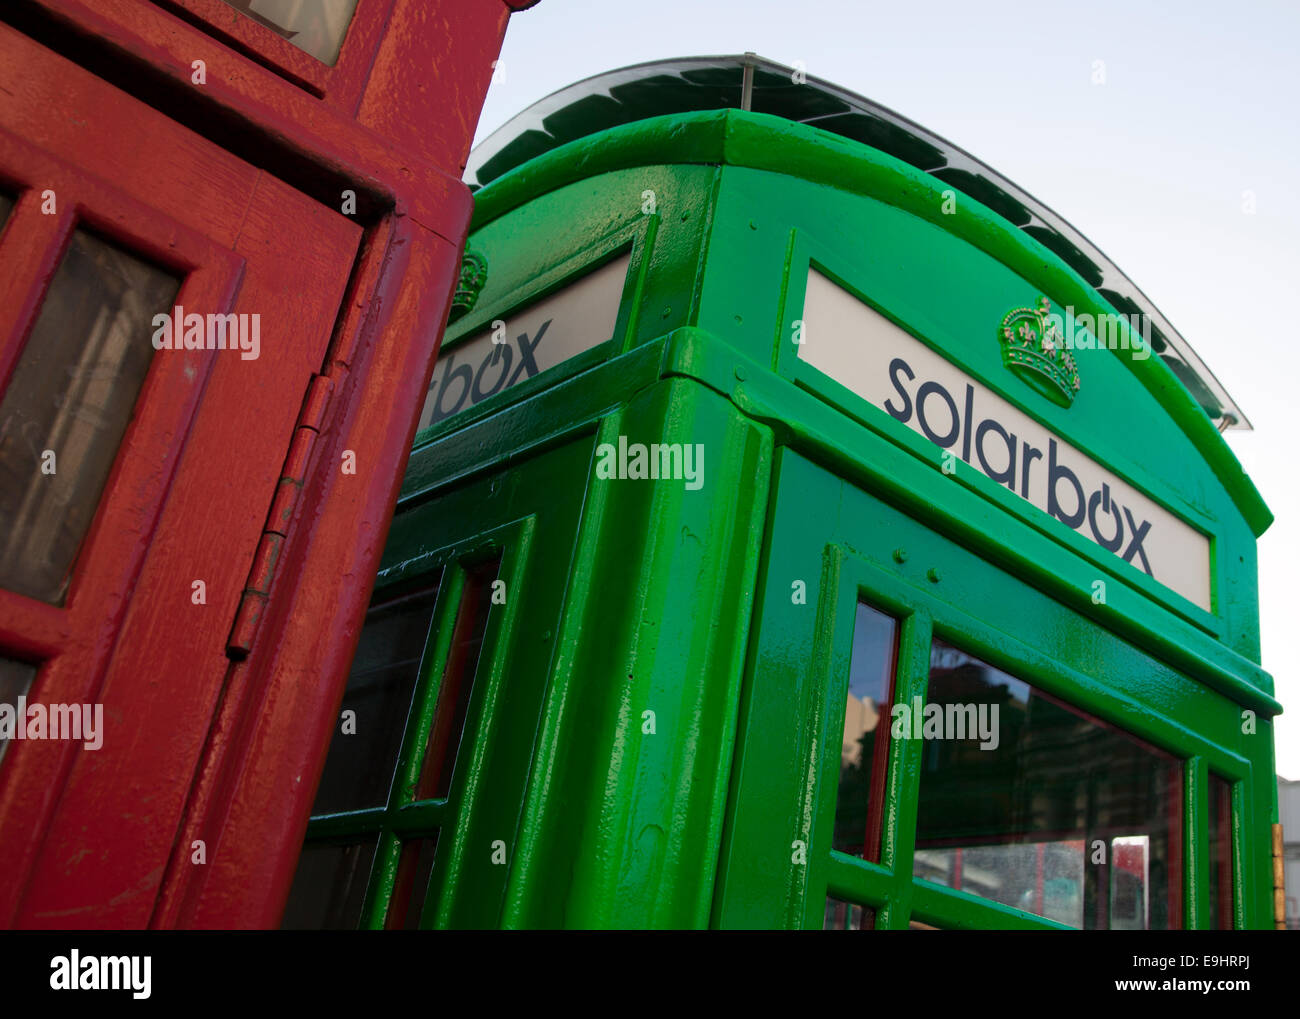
{"x": 864, "y": 351}
{"x": 577, "y": 318}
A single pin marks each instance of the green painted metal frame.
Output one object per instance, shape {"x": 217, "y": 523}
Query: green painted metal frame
{"x": 512, "y": 287}
{"x": 851, "y": 274}
{"x": 672, "y": 601}
{"x": 475, "y": 523}
{"x": 841, "y": 542}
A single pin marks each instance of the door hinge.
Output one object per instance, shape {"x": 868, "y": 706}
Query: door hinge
{"x": 257, "y": 588}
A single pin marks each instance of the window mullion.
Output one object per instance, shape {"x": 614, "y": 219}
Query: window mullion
{"x": 437, "y": 645}
{"x": 957, "y": 910}
{"x": 432, "y": 667}
{"x": 898, "y": 837}
{"x": 344, "y": 823}
{"x": 382, "y": 874}
{"x": 1196, "y": 863}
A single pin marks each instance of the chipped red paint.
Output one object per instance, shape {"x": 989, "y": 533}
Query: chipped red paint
{"x": 231, "y": 471}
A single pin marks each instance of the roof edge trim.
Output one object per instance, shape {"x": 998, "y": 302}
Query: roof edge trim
{"x": 767, "y": 142}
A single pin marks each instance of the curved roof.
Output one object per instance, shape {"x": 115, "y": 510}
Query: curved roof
{"x": 753, "y": 83}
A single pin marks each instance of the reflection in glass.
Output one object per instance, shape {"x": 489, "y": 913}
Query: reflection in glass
{"x": 866, "y": 716}
{"x": 411, "y": 884}
{"x": 1040, "y": 877}
{"x": 67, "y": 405}
{"x": 1061, "y": 815}
{"x": 1130, "y": 882}
{"x": 457, "y": 683}
{"x": 329, "y": 888}
{"x": 1220, "y": 833}
{"x": 15, "y": 680}
{"x": 316, "y": 26}
{"x": 847, "y": 916}
{"x": 363, "y": 753}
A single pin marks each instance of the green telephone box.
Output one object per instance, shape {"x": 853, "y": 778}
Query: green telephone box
{"x": 768, "y": 423}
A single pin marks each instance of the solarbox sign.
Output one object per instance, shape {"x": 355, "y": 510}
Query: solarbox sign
{"x": 521, "y": 345}
{"x": 864, "y": 351}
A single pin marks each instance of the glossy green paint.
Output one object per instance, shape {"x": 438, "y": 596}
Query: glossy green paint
{"x": 840, "y": 540}
{"x": 501, "y": 517}
{"x": 649, "y": 597}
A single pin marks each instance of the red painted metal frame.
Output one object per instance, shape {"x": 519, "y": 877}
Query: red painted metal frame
{"x": 74, "y": 640}
{"x": 258, "y": 779}
{"x": 167, "y": 400}
{"x": 410, "y": 133}
{"x": 134, "y": 581}
{"x": 339, "y": 84}
{"x": 232, "y": 756}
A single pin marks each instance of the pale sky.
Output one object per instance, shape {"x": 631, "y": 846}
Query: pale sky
{"x": 1197, "y": 108}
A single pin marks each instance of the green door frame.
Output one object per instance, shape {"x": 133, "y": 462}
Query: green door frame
{"x": 531, "y": 528}
{"x": 845, "y": 544}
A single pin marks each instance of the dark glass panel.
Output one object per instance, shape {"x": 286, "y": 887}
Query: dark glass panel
{"x": 1029, "y": 802}
{"x": 865, "y": 747}
{"x": 457, "y": 683}
{"x": 411, "y": 884}
{"x": 67, "y": 407}
{"x": 15, "y": 680}
{"x": 329, "y": 888}
{"x": 847, "y": 916}
{"x": 1220, "y": 834}
{"x": 363, "y": 753}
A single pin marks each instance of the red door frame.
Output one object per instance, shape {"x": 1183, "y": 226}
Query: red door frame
{"x": 74, "y": 639}
{"x": 265, "y": 736}
{"x": 132, "y": 637}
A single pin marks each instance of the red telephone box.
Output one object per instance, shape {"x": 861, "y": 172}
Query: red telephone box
{"x": 229, "y": 236}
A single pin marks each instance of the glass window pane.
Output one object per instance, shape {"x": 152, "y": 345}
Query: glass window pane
{"x": 847, "y": 916}
{"x": 1042, "y": 877}
{"x": 457, "y": 684}
{"x": 363, "y": 753}
{"x": 866, "y": 734}
{"x": 15, "y": 680}
{"x": 329, "y": 888}
{"x": 411, "y": 884}
{"x": 316, "y": 26}
{"x": 1220, "y": 831}
{"x": 67, "y": 406}
{"x": 1029, "y": 802}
